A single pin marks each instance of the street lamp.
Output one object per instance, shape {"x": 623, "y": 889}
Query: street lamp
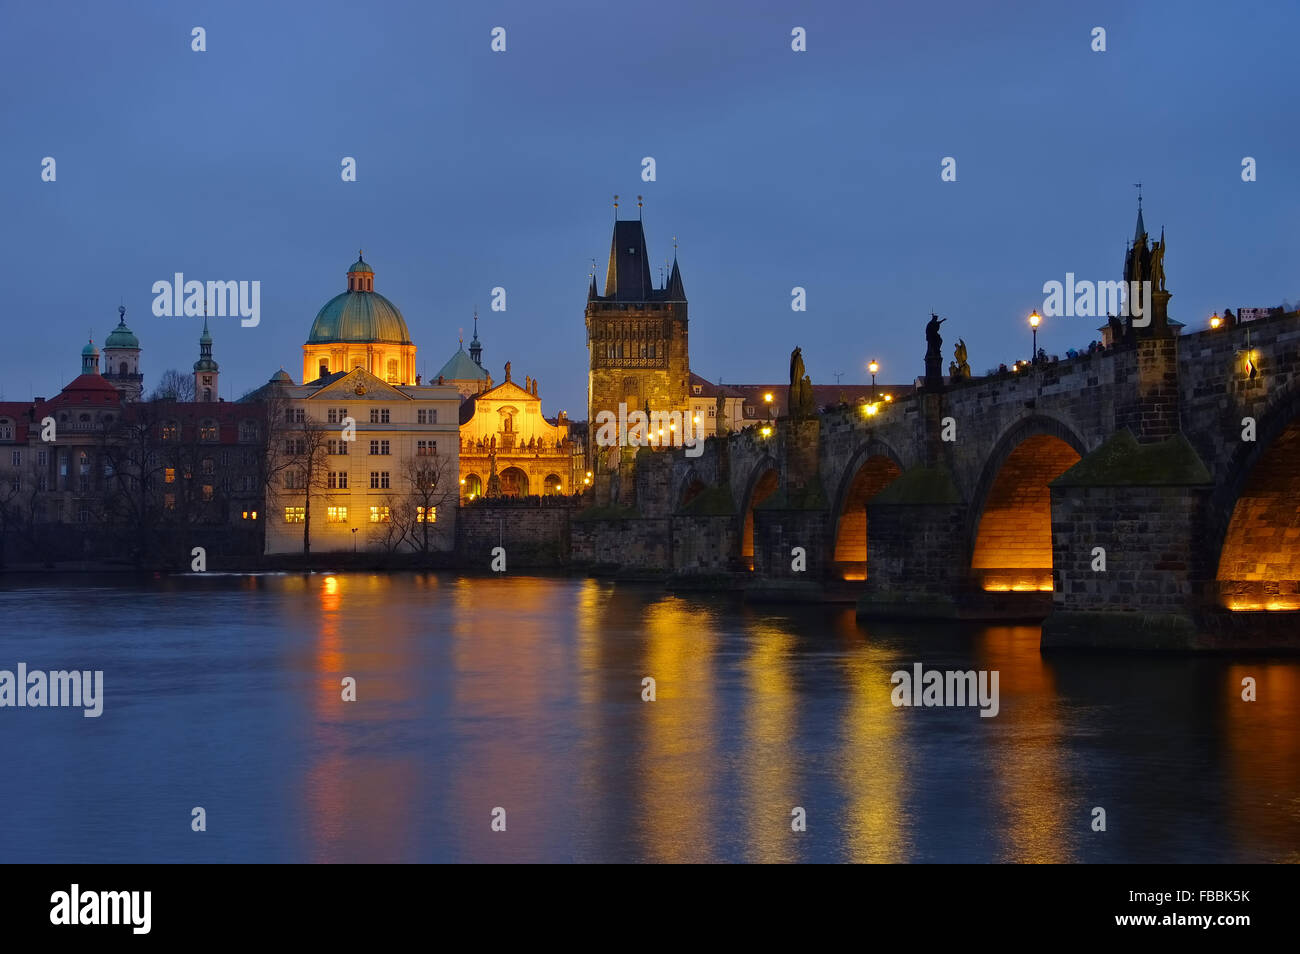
{"x": 1215, "y": 320}
{"x": 1034, "y": 319}
{"x": 354, "y": 539}
{"x": 873, "y": 367}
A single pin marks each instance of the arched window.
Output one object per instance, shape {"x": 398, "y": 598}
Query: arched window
{"x": 473, "y": 485}
{"x": 121, "y": 369}
{"x": 6, "y": 429}
{"x": 392, "y": 371}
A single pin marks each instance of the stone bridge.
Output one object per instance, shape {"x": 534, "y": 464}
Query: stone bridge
{"x": 1145, "y": 495}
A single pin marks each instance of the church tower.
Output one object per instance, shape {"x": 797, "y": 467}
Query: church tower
{"x": 636, "y": 333}
{"x": 205, "y": 369}
{"x": 122, "y": 359}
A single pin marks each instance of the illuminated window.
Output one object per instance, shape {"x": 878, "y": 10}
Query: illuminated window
{"x": 207, "y": 491}
{"x": 208, "y": 431}
{"x": 169, "y": 431}
{"x": 295, "y": 514}
{"x": 379, "y": 515}
{"x": 169, "y": 501}
{"x": 392, "y": 371}
{"x": 419, "y": 515}
{"x": 336, "y": 514}
{"x": 169, "y": 475}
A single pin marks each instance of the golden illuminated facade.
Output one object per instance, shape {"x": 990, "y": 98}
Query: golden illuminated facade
{"x": 503, "y": 433}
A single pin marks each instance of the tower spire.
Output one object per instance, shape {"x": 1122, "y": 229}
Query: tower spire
{"x": 476, "y": 349}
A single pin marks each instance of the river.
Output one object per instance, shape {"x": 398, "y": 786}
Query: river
{"x": 224, "y": 692}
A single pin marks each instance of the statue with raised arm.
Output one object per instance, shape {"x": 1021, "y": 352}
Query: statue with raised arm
{"x": 1158, "y": 265}
{"x": 932, "y": 340}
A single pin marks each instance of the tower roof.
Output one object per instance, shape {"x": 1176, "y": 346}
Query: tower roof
{"x": 360, "y": 266}
{"x": 359, "y": 317}
{"x": 675, "y": 291}
{"x": 628, "y": 276}
{"x": 121, "y": 336}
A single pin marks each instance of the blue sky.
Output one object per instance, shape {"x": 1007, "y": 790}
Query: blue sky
{"x": 774, "y": 169}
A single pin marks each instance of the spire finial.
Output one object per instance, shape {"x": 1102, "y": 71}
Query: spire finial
{"x": 615, "y": 206}
{"x": 460, "y": 336}
{"x": 638, "y": 208}
{"x": 121, "y": 314}
{"x": 1138, "y": 186}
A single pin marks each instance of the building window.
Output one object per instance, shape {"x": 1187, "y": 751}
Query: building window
{"x": 295, "y": 480}
{"x": 169, "y": 501}
{"x": 338, "y": 480}
{"x": 169, "y": 475}
{"x": 250, "y": 514}
{"x": 207, "y": 429}
{"x": 42, "y": 458}
{"x": 378, "y": 416}
{"x": 295, "y": 415}
{"x": 248, "y": 430}
{"x": 426, "y": 448}
{"x": 392, "y": 371}
{"x": 383, "y": 480}
{"x": 374, "y": 480}
{"x": 17, "y": 458}
{"x": 207, "y": 491}
{"x": 336, "y": 514}
{"x": 427, "y": 416}
{"x": 335, "y": 415}
{"x": 419, "y": 515}
{"x": 83, "y": 515}
{"x": 295, "y": 446}
{"x": 206, "y": 467}
{"x": 295, "y": 514}
{"x": 379, "y": 448}
{"x": 379, "y": 515}
{"x": 338, "y": 448}
{"x": 169, "y": 430}
{"x": 6, "y": 430}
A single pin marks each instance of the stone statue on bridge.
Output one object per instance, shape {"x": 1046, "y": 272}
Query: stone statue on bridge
{"x": 802, "y": 402}
{"x": 1158, "y": 264}
{"x": 960, "y": 367}
{"x": 933, "y": 343}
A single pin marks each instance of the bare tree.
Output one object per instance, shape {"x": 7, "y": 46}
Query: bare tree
{"x": 174, "y": 385}
{"x": 431, "y": 483}
{"x": 298, "y": 459}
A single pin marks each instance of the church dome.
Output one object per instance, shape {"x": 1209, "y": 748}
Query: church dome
{"x": 281, "y": 377}
{"x": 360, "y": 315}
{"x": 121, "y": 336}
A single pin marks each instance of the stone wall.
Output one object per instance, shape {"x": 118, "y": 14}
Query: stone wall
{"x": 532, "y": 534}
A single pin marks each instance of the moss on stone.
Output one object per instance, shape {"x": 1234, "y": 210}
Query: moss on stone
{"x": 1122, "y": 462}
{"x": 711, "y": 502}
{"x": 920, "y": 485}
{"x": 611, "y": 512}
{"x": 813, "y": 497}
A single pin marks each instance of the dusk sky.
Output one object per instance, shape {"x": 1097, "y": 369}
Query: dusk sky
{"x": 774, "y": 168}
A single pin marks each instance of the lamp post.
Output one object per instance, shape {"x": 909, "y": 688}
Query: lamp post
{"x": 354, "y": 539}
{"x": 1034, "y": 319}
{"x": 873, "y": 367}
{"x": 1215, "y": 320}
{"x": 767, "y": 399}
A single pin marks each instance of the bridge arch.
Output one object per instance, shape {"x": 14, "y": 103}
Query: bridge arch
{"x": 1009, "y": 521}
{"x": 763, "y": 481}
{"x": 1253, "y": 531}
{"x": 872, "y": 467}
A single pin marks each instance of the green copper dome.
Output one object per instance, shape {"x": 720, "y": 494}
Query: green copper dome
{"x": 360, "y": 266}
{"x": 121, "y": 336}
{"x": 281, "y": 377}
{"x": 359, "y": 317}
{"x": 461, "y": 367}
{"x": 89, "y": 349}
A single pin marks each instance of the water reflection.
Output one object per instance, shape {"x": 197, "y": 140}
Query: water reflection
{"x": 526, "y": 694}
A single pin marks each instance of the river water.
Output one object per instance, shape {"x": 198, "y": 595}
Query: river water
{"x": 525, "y": 694}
